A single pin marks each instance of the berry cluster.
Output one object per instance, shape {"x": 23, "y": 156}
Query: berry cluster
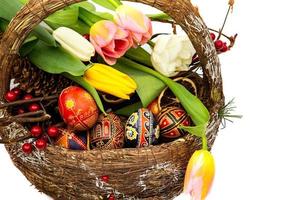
{"x": 41, "y": 138}
{"x": 221, "y": 46}
{"x": 17, "y": 94}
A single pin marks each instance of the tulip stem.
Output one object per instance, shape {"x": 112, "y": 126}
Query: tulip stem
{"x": 151, "y": 44}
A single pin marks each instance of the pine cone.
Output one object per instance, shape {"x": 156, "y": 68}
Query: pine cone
{"x": 35, "y": 81}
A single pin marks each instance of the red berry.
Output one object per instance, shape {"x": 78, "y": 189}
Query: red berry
{"x": 34, "y": 107}
{"x": 86, "y": 36}
{"x": 52, "y": 131}
{"x": 111, "y": 197}
{"x": 27, "y": 148}
{"x": 225, "y": 47}
{"x": 212, "y": 36}
{"x": 27, "y": 97}
{"x": 105, "y": 179}
{"x": 11, "y": 96}
{"x": 41, "y": 144}
{"x": 21, "y": 111}
{"x": 17, "y": 91}
{"x": 36, "y": 131}
{"x": 219, "y": 44}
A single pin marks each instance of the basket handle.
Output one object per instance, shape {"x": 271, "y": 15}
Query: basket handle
{"x": 182, "y": 11}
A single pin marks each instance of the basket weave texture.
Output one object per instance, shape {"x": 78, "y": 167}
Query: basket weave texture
{"x": 154, "y": 172}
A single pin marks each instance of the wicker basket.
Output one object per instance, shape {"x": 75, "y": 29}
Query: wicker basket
{"x": 155, "y": 172}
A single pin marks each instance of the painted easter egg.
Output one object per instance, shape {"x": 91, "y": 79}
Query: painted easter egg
{"x": 169, "y": 119}
{"x": 108, "y": 133}
{"x": 71, "y": 140}
{"x": 141, "y": 129}
{"x": 77, "y": 108}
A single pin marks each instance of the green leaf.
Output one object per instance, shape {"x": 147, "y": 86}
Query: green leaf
{"x": 28, "y": 45}
{"x": 56, "y": 60}
{"x": 109, "y": 4}
{"x": 80, "y": 27}
{"x": 3, "y": 24}
{"x": 91, "y": 17}
{"x": 195, "y": 130}
{"x": 86, "y": 5}
{"x": 139, "y": 55}
{"x": 65, "y": 17}
{"x": 79, "y": 80}
{"x": 9, "y": 8}
{"x": 23, "y": 1}
{"x": 128, "y": 110}
{"x": 199, "y": 131}
{"x": 149, "y": 87}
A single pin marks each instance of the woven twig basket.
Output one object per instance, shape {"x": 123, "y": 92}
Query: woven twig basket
{"x": 155, "y": 172}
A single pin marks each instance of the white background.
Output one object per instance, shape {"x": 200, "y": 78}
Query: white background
{"x": 257, "y": 156}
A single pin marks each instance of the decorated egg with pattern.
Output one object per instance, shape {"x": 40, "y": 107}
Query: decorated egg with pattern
{"x": 70, "y": 140}
{"x": 77, "y": 108}
{"x": 141, "y": 129}
{"x": 108, "y": 133}
{"x": 169, "y": 119}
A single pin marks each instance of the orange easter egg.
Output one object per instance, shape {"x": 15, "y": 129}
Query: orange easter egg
{"x": 153, "y": 107}
{"x": 77, "y": 108}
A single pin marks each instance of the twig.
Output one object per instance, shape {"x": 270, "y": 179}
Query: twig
{"x": 29, "y": 114}
{"x": 221, "y": 30}
{"x": 20, "y": 102}
{"x": 25, "y": 118}
{"x": 34, "y": 119}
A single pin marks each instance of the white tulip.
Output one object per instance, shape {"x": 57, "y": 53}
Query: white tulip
{"x": 172, "y": 54}
{"x": 74, "y": 43}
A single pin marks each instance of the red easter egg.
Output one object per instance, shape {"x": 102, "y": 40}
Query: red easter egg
{"x": 169, "y": 120}
{"x": 78, "y": 108}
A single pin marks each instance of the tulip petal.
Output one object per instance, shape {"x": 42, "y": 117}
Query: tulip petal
{"x": 103, "y": 32}
{"x": 132, "y": 19}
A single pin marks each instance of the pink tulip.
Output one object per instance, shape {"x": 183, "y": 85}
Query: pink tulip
{"x": 134, "y": 21}
{"x": 110, "y": 41}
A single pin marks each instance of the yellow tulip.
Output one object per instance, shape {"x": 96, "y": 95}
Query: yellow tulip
{"x": 199, "y": 175}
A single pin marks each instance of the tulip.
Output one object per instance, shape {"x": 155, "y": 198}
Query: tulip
{"x": 110, "y": 41}
{"x": 199, "y": 175}
{"x": 74, "y": 43}
{"x": 109, "y": 80}
{"x": 172, "y": 54}
{"x": 134, "y": 21}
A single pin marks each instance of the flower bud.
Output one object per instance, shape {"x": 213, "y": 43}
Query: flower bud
{"x": 74, "y": 43}
{"x": 172, "y": 54}
{"x": 110, "y": 41}
{"x": 199, "y": 175}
